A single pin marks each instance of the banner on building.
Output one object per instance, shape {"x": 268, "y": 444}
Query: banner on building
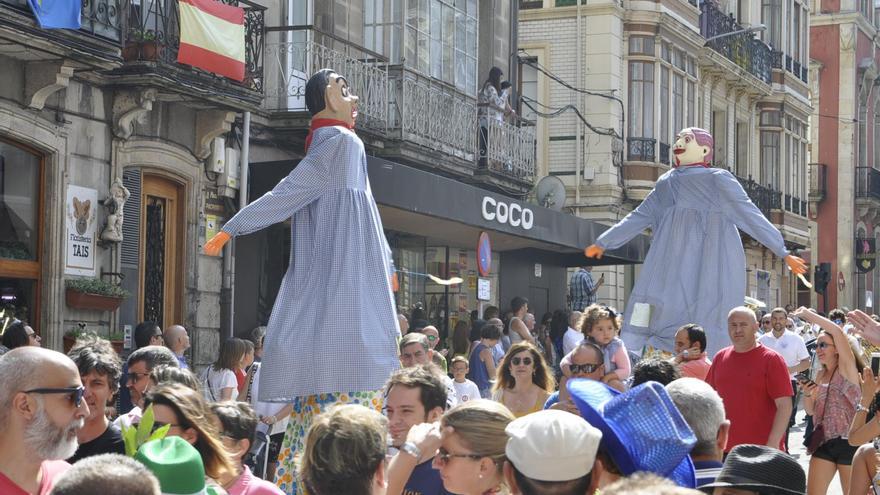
{"x": 57, "y": 14}
{"x": 212, "y": 37}
{"x": 81, "y": 217}
{"x": 866, "y": 254}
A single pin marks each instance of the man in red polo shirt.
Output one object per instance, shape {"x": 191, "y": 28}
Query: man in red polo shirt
{"x": 41, "y": 410}
{"x": 754, "y": 383}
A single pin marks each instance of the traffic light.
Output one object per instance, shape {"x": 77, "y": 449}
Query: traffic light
{"x": 821, "y": 277}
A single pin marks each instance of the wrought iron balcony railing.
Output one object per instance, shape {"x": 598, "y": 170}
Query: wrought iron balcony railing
{"x": 867, "y": 182}
{"x": 818, "y": 181}
{"x": 432, "y": 114}
{"x": 743, "y": 49}
{"x": 153, "y": 34}
{"x": 101, "y": 18}
{"x": 765, "y": 198}
{"x": 640, "y": 149}
{"x": 510, "y": 148}
{"x": 294, "y": 54}
{"x": 664, "y": 153}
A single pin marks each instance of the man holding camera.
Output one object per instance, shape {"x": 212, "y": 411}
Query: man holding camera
{"x": 793, "y": 351}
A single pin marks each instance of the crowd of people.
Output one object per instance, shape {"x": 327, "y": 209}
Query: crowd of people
{"x": 506, "y": 404}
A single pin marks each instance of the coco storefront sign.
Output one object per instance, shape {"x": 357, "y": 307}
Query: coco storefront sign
{"x": 504, "y": 213}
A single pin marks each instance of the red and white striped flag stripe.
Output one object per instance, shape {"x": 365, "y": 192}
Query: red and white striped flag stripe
{"x": 212, "y": 37}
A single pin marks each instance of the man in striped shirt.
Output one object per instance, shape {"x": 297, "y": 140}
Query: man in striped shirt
{"x": 702, "y": 408}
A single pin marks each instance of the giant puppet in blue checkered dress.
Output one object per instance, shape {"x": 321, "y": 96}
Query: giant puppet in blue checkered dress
{"x": 332, "y": 336}
{"x": 695, "y": 269}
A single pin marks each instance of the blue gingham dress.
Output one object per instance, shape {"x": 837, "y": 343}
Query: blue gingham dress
{"x": 333, "y": 327}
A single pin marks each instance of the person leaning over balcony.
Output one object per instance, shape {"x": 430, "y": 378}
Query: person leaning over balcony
{"x": 491, "y": 106}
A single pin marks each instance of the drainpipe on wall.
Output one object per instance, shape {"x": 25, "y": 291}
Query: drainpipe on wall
{"x": 228, "y": 286}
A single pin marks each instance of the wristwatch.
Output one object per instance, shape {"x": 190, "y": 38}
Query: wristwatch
{"x": 411, "y": 449}
{"x": 860, "y": 408}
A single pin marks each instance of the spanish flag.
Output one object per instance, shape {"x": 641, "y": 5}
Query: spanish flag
{"x": 212, "y": 37}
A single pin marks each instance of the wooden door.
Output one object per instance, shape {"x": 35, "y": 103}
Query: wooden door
{"x": 160, "y": 297}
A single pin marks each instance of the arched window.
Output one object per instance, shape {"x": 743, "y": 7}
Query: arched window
{"x": 21, "y": 176}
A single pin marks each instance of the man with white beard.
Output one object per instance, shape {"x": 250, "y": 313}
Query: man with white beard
{"x": 41, "y": 410}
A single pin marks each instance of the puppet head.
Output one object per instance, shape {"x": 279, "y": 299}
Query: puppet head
{"x": 328, "y": 97}
{"x": 693, "y": 146}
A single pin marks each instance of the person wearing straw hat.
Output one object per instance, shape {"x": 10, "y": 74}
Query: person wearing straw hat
{"x": 642, "y": 430}
{"x": 761, "y": 469}
{"x": 178, "y": 467}
{"x": 552, "y": 452}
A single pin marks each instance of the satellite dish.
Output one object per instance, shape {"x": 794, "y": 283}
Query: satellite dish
{"x": 550, "y": 193}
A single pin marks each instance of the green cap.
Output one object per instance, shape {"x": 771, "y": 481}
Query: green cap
{"x": 177, "y": 465}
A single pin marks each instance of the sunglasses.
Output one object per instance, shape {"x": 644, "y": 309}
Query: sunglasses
{"x": 135, "y": 377}
{"x": 526, "y": 361}
{"x": 432, "y": 338}
{"x": 443, "y": 456}
{"x": 584, "y": 368}
{"x": 75, "y": 393}
{"x": 823, "y": 345}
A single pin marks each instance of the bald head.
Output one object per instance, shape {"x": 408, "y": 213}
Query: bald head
{"x": 26, "y": 368}
{"x": 743, "y": 312}
{"x": 176, "y": 338}
{"x": 574, "y": 318}
{"x": 433, "y": 335}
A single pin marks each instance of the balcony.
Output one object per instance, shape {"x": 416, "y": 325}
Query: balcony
{"x": 640, "y": 149}
{"x": 867, "y": 183}
{"x": 765, "y": 198}
{"x": 664, "y": 153}
{"x": 404, "y": 115}
{"x": 795, "y": 205}
{"x": 818, "y": 182}
{"x": 744, "y": 50}
{"x": 96, "y": 43}
{"x": 151, "y": 43}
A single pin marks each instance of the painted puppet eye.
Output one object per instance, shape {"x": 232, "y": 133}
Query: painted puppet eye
{"x": 687, "y": 140}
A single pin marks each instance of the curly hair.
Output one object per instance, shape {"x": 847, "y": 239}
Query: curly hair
{"x": 92, "y": 353}
{"x": 542, "y": 377}
{"x": 595, "y": 313}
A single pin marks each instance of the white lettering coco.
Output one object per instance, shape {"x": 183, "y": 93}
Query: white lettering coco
{"x": 511, "y": 214}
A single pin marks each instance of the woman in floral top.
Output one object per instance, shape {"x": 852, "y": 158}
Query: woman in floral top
{"x": 832, "y": 401}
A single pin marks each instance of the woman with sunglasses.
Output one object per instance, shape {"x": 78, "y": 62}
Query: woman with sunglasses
{"x": 524, "y": 380}
{"x": 189, "y": 417}
{"x": 471, "y": 454}
{"x": 832, "y": 401}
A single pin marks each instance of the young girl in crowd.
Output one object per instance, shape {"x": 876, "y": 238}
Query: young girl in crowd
{"x": 600, "y": 326}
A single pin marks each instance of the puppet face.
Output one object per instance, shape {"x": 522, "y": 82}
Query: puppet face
{"x": 341, "y": 103}
{"x": 687, "y": 151}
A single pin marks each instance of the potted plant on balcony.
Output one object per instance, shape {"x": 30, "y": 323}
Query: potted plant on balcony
{"x": 94, "y": 293}
{"x": 150, "y": 47}
{"x": 141, "y": 45}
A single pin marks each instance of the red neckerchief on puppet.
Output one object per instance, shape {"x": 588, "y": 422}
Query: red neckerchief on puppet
{"x": 319, "y": 123}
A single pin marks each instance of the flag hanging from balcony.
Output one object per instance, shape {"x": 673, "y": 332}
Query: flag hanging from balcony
{"x": 57, "y": 14}
{"x": 212, "y": 37}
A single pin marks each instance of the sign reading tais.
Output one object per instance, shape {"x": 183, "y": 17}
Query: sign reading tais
{"x": 81, "y": 214}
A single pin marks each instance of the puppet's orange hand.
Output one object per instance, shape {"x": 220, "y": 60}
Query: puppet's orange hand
{"x": 795, "y": 264}
{"x": 594, "y": 251}
{"x": 395, "y": 284}
{"x": 216, "y": 243}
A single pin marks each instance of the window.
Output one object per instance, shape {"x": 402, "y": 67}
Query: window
{"x": 641, "y": 45}
{"x": 441, "y": 40}
{"x": 381, "y": 28}
{"x": 796, "y": 33}
{"x": 770, "y": 159}
{"x": 866, "y": 7}
{"x": 665, "y": 133}
{"x": 20, "y": 233}
{"x": 678, "y": 101}
{"x": 529, "y": 81}
{"x": 771, "y": 16}
{"x": 641, "y": 99}
{"x": 678, "y": 96}
{"x": 741, "y": 166}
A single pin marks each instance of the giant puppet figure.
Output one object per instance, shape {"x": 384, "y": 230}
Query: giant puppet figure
{"x": 332, "y": 336}
{"x": 695, "y": 269}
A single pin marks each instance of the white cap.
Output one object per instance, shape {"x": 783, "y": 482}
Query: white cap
{"x": 552, "y": 445}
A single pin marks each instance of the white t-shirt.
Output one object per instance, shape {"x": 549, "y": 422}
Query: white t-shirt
{"x": 267, "y": 408}
{"x": 466, "y": 390}
{"x": 571, "y": 339}
{"x": 213, "y": 382}
{"x": 789, "y": 345}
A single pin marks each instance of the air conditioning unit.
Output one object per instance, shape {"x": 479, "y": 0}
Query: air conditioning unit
{"x": 217, "y": 160}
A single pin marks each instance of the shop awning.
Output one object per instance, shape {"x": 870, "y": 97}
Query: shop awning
{"x": 454, "y": 213}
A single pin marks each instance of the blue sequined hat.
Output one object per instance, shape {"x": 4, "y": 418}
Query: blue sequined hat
{"x": 642, "y": 430}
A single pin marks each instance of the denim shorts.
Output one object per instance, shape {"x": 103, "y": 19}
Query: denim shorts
{"x": 836, "y": 450}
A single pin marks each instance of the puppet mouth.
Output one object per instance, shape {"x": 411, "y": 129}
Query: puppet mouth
{"x": 678, "y": 151}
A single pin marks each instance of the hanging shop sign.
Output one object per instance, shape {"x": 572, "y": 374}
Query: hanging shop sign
{"x": 866, "y": 254}
{"x": 81, "y": 225}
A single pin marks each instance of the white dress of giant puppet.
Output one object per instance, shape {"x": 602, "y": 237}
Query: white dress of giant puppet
{"x": 695, "y": 269}
{"x": 332, "y": 336}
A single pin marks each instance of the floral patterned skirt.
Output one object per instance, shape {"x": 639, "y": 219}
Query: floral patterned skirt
{"x": 304, "y": 409}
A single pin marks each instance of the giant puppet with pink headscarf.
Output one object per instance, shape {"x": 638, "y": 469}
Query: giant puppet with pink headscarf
{"x": 695, "y": 270}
